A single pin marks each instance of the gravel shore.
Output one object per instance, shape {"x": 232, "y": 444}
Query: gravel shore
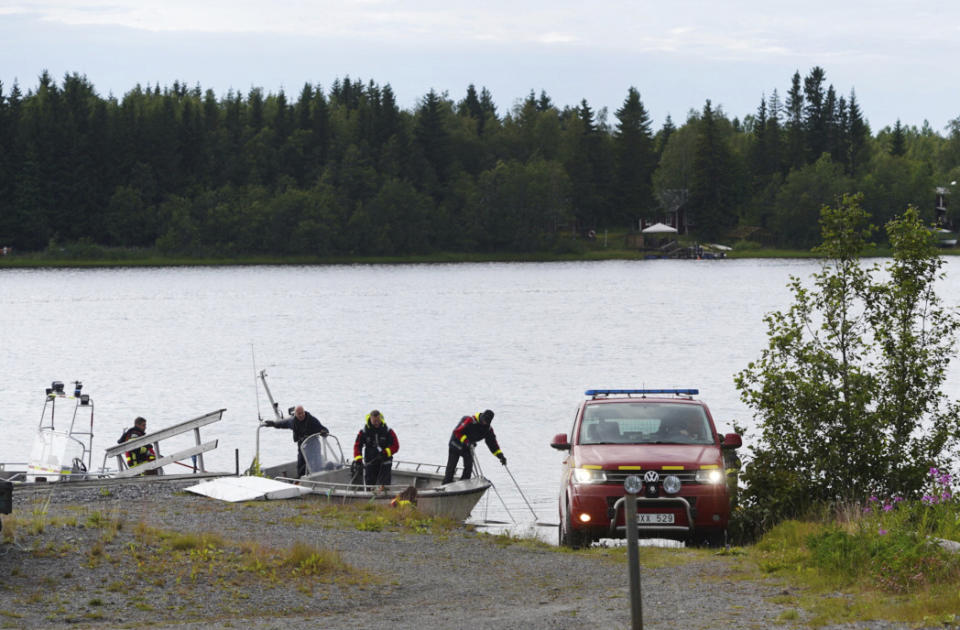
{"x": 79, "y": 572}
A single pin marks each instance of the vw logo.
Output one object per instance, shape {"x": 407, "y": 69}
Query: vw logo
{"x": 651, "y": 476}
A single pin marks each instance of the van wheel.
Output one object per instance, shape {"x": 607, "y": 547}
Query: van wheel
{"x": 568, "y": 536}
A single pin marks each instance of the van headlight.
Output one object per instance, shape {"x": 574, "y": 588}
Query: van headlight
{"x": 587, "y": 475}
{"x": 711, "y": 476}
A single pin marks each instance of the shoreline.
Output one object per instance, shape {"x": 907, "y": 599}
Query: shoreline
{"x": 40, "y": 261}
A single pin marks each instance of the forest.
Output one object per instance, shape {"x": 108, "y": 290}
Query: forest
{"x": 344, "y": 171}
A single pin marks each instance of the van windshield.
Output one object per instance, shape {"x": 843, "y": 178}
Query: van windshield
{"x": 637, "y": 422}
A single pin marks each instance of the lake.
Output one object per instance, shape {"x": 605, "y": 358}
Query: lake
{"x": 424, "y": 344}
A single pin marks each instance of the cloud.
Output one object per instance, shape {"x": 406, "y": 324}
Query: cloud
{"x": 556, "y": 38}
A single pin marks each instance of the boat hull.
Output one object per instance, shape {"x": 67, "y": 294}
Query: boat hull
{"x": 453, "y": 500}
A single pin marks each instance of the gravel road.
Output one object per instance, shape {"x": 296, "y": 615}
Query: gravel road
{"x": 73, "y": 575}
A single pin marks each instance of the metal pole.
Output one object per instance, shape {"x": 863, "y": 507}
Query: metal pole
{"x": 535, "y": 517}
{"x": 476, "y": 464}
{"x": 633, "y": 559}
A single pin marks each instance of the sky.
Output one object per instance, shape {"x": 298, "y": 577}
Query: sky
{"x": 902, "y": 57}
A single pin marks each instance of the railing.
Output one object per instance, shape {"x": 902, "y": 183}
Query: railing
{"x": 154, "y": 438}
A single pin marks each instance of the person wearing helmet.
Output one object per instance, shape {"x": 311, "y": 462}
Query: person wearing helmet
{"x": 469, "y": 431}
{"x": 373, "y": 452}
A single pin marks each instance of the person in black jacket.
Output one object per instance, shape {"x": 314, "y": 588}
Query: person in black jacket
{"x": 304, "y": 425}
{"x": 469, "y": 431}
{"x": 373, "y": 452}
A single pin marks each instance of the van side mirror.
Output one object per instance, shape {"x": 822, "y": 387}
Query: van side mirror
{"x": 731, "y": 441}
{"x": 560, "y": 442}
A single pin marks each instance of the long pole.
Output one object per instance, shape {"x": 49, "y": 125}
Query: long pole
{"x": 535, "y": 517}
{"x": 633, "y": 559}
{"x": 476, "y": 463}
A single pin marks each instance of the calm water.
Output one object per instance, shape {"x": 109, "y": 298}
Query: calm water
{"x": 425, "y": 344}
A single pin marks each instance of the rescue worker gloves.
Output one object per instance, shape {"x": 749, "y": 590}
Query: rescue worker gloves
{"x": 270, "y": 423}
{"x": 356, "y": 465}
{"x": 502, "y": 458}
{"x": 324, "y": 433}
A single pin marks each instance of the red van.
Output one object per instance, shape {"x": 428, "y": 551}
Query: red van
{"x": 666, "y": 438}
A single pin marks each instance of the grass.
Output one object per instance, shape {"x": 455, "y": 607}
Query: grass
{"x": 369, "y": 517}
{"x": 880, "y": 560}
{"x": 188, "y": 558}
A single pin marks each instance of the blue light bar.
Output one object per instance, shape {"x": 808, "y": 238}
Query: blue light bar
{"x": 642, "y": 392}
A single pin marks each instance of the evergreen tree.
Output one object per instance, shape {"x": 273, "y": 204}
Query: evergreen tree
{"x": 796, "y": 134}
{"x": 898, "y": 145}
{"x": 470, "y": 107}
{"x": 663, "y": 136}
{"x": 544, "y": 103}
{"x": 857, "y": 136}
{"x": 635, "y": 159}
{"x": 841, "y": 138}
{"x": 816, "y": 116}
{"x": 760, "y": 165}
{"x": 433, "y": 140}
{"x": 255, "y": 106}
{"x": 712, "y": 200}
{"x": 773, "y": 137}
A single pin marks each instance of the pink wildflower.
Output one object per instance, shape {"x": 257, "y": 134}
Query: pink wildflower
{"x": 887, "y": 507}
{"x": 882, "y": 532}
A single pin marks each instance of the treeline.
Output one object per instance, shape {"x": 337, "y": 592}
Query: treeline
{"x": 346, "y": 171}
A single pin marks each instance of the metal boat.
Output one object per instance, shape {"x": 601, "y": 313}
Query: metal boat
{"x": 453, "y": 500}
{"x": 329, "y": 476}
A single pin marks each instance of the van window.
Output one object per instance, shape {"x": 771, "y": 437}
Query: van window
{"x": 645, "y": 423}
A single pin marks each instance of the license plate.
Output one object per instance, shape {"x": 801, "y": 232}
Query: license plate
{"x": 655, "y": 519}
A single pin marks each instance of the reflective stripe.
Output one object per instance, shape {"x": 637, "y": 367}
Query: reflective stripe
{"x": 463, "y": 439}
{"x": 709, "y": 467}
{"x": 673, "y": 468}
{"x": 356, "y": 457}
{"x": 388, "y": 451}
{"x": 498, "y": 451}
{"x": 628, "y": 467}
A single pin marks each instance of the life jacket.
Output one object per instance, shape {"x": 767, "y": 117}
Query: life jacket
{"x": 470, "y": 431}
{"x": 139, "y": 455}
{"x": 373, "y": 440}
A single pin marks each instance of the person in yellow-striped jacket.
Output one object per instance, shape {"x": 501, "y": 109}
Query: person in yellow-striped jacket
{"x": 469, "y": 431}
{"x": 373, "y": 452}
{"x": 142, "y": 454}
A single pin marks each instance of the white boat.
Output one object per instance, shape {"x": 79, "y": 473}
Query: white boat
{"x": 329, "y": 476}
{"x": 62, "y": 446}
